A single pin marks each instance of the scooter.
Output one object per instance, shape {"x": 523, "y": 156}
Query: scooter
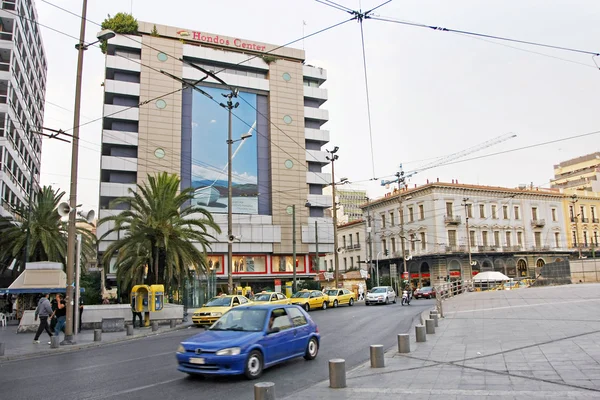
{"x": 405, "y": 298}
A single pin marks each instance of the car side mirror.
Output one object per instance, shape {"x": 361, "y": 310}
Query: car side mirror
{"x": 273, "y": 330}
{"x": 204, "y": 305}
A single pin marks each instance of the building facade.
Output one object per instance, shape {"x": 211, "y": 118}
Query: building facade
{"x": 514, "y": 231}
{"x": 277, "y": 155}
{"x": 348, "y": 203}
{"x": 582, "y": 212}
{"x": 23, "y": 71}
{"x": 579, "y": 173}
{"x": 352, "y": 248}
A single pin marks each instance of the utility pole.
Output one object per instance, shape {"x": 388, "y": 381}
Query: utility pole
{"x": 462, "y": 272}
{"x": 230, "y": 106}
{"x": 294, "y": 247}
{"x": 369, "y": 242}
{"x": 72, "y": 229}
{"x": 575, "y": 216}
{"x": 332, "y": 157}
{"x": 401, "y": 185}
{"x": 28, "y": 237}
{"x": 317, "y": 259}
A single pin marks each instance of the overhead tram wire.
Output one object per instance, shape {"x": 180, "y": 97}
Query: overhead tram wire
{"x": 483, "y": 35}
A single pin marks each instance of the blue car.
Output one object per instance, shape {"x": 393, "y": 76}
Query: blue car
{"x": 248, "y": 339}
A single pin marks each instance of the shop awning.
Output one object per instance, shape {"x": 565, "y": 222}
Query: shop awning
{"x": 39, "y": 277}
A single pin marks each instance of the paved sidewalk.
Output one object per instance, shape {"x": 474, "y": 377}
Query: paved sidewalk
{"x": 20, "y": 345}
{"x": 529, "y": 343}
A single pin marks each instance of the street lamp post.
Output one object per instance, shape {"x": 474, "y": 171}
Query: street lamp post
{"x": 332, "y": 157}
{"x": 72, "y": 230}
{"x": 377, "y": 268}
{"x": 575, "y": 216}
{"x": 294, "y": 247}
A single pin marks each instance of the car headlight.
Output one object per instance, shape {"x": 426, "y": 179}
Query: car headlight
{"x": 215, "y": 314}
{"x": 180, "y": 349}
{"x": 232, "y": 351}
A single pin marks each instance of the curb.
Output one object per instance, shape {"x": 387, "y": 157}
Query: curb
{"x": 76, "y": 347}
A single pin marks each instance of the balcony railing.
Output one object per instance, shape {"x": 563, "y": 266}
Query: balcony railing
{"x": 456, "y": 248}
{"x": 452, "y": 220}
{"x": 595, "y": 220}
{"x": 357, "y": 246}
{"x": 585, "y": 220}
{"x": 538, "y": 222}
{"x": 512, "y": 248}
{"x": 540, "y": 248}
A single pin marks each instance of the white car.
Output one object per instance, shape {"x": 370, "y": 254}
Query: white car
{"x": 381, "y": 295}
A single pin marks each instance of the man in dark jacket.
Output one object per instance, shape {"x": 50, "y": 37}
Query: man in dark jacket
{"x": 43, "y": 310}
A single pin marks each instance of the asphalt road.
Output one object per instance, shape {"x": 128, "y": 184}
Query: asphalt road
{"x": 146, "y": 368}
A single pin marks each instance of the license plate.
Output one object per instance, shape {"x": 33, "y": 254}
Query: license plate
{"x": 196, "y": 360}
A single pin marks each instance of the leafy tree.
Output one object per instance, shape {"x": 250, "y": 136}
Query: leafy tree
{"x": 92, "y": 282}
{"x": 120, "y": 23}
{"x": 47, "y": 233}
{"x": 159, "y": 234}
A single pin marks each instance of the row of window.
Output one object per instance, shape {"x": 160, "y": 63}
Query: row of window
{"x": 495, "y": 239}
{"x": 587, "y": 239}
{"x": 7, "y": 129}
{"x": 412, "y": 239}
{"x": 10, "y": 167}
{"x": 505, "y": 212}
{"x": 582, "y": 214}
{"x": 349, "y": 242}
{"x": 411, "y": 216}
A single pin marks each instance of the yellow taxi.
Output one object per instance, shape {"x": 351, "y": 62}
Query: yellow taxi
{"x": 340, "y": 296}
{"x": 216, "y": 307}
{"x": 270, "y": 298}
{"x": 310, "y": 299}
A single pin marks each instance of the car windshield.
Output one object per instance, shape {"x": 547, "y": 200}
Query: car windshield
{"x": 245, "y": 320}
{"x": 301, "y": 294}
{"x": 219, "y": 302}
{"x": 426, "y": 289}
{"x": 262, "y": 297}
{"x": 379, "y": 290}
{"x": 332, "y": 293}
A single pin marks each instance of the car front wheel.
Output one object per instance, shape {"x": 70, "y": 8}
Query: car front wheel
{"x": 312, "y": 349}
{"x": 306, "y": 307}
{"x": 335, "y": 304}
{"x": 254, "y": 365}
{"x": 351, "y": 302}
{"x": 324, "y": 306}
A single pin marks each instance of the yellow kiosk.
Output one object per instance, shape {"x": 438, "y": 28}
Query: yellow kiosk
{"x": 147, "y": 298}
{"x": 288, "y": 289}
{"x": 243, "y": 291}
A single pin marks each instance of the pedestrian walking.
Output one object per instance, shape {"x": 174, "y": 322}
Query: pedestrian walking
{"x": 52, "y": 319}
{"x": 137, "y": 314}
{"x": 80, "y": 311}
{"x": 60, "y": 314}
{"x": 43, "y": 311}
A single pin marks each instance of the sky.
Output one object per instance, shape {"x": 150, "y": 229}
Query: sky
{"x": 432, "y": 93}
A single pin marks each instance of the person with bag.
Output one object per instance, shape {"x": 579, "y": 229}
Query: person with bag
{"x": 60, "y": 314}
{"x": 43, "y": 311}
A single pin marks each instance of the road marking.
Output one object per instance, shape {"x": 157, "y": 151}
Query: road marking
{"x": 122, "y": 392}
{"x": 473, "y": 392}
{"x": 521, "y": 306}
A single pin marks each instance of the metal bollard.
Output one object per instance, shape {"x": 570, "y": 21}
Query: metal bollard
{"x": 377, "y": 358}
{"x": 434, "y": 316}
{"x": 264, "y": 391}
{"x": 2, "y": 346}
{"x": 154, "y": 326}
{"x": 403, "y": 343}
{"x": 420, "y": 333}
{"x": 430, "y": 326}
{"x": 173, "y": 323}
{"x": 54, "y": 342}
{"x": 97, "y": 335}
{"x": 337, "y": 373}
{"x": 129, "y": 330}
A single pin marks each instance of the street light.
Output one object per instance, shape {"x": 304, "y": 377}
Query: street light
{"x": 72, "y": 231}
{"x": 332, "y": 157}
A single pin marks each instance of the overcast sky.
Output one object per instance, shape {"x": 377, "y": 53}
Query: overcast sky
{"x": 432, "y": 93}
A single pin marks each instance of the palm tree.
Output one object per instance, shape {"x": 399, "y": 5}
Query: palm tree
{"x": 162, "y": 239}
{"x": 47, "y": 233}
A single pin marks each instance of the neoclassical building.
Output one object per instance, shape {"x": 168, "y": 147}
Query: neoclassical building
{"x": 515, "y": 231}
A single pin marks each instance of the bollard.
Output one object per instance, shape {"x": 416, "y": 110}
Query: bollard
{"x": 430, "y": 326}
{"x": 377, "y": 359}
{"x": 129, "y": 330}
{"x": 154, "y": 326}
{"x": 2, "y": 349}
{"x": 435, "y": 318}
{"x": 337, "y": 373}
{"x": 264, "y": 391}
{"x": 403, "y": 343}
{"x": 97, "y": 335}
{"x": 54, "y": 342}
{"x": 173, "y": 323}
{"x": 420, "y": 333}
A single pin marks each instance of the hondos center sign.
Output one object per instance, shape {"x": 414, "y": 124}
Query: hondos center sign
{"x": 221, "y": 40}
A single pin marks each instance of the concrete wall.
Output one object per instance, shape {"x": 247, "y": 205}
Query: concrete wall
{"x": 93, "y": 314}
{"x": 587, "y": 270}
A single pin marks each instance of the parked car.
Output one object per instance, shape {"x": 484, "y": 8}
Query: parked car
{"x": 310, "y": 299}
{"x": 426, "y": 292}
{"x": 270, "y": 297}
{"x": 248, "y": 339}
{"x": 216, "y": 307}
{"x": 340, "y": 296}
{"x": 380, "y": 295}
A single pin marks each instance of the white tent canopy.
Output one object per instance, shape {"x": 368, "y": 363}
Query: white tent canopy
{"x": 490, "y": 276}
